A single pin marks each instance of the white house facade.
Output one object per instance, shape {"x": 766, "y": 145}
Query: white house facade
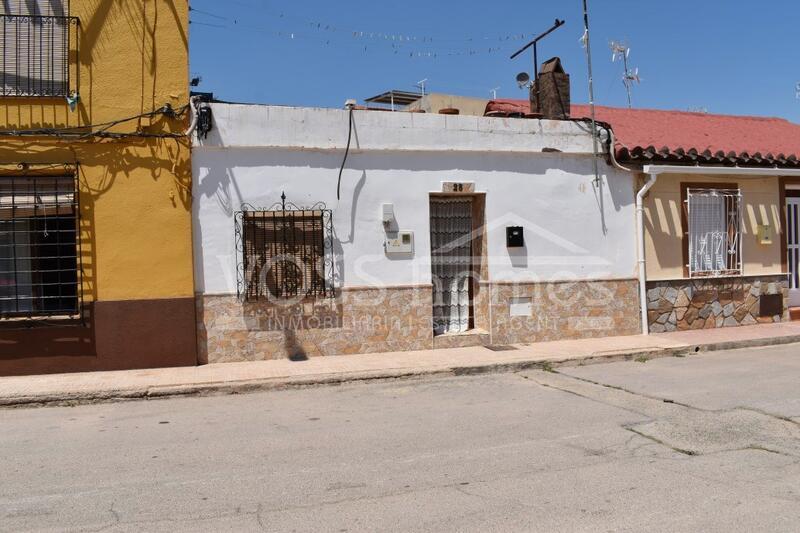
{"x": 443, "y": 231}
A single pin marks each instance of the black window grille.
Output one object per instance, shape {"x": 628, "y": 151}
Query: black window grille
{"x": 285, "y": 252}
{"x": 37, "y": 40}
{"x": 39, "y": 248}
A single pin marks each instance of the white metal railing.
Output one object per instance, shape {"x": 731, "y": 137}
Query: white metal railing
{"x": 715, "y": 232}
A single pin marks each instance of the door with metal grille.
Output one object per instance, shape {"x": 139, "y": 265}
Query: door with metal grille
{"x": 793, "y": 248}
{"x": 451, "y": 260}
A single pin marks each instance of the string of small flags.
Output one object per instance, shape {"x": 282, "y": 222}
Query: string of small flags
{"x": 395, "y": 38}
{"x": 397, "y": 48}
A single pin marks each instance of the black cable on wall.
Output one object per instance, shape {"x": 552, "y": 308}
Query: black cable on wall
{"x": 346, "y": 152}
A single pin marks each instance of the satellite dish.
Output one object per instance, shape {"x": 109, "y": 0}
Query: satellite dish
{"x": 522, "y": 79}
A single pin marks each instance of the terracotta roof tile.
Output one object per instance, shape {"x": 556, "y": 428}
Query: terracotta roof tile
{"x": 649, "y": 135}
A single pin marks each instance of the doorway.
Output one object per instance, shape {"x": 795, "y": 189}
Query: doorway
{"x": 451, "y": 223}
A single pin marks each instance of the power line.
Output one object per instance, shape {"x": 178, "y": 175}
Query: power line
{"x": 102, "y": 130}
{"x": 397, "y": 37}
{"x": 395, "y": 47}
{"x": 206, "y": 13}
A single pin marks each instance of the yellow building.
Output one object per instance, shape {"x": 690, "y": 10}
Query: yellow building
{"x": 95, "y": 177}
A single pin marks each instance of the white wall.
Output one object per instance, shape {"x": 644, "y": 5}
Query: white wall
{"x": 256, "y": 152}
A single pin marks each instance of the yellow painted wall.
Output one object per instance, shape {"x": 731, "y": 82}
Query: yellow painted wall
{"x": 135, "y": 193}
{"x": 664, "y": 228}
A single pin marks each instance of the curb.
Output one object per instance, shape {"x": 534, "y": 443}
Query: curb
{"x": 284, "y": 383}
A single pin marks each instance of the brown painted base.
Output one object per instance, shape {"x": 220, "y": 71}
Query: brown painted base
{"x": 121, "y": 335}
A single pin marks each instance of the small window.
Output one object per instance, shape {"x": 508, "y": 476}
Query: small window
{"x": 715, "y": 241}
{"x": 39, "y": 255}
{"x": 36, "y": 41}
{"x": 284, "y": 253}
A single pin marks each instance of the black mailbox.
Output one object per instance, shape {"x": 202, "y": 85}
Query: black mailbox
{"x": 515, "y": 237}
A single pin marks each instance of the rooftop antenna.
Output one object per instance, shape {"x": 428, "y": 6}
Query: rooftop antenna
{"x": 421, "y": 85}
{"x": 534, "y": 43}
{"x": 622, "y": 51}
{"x": 586, "y": 42}
{"x": 494, "y": 92}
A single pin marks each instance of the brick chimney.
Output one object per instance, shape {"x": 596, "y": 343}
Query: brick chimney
{"x": 550, "y": 96}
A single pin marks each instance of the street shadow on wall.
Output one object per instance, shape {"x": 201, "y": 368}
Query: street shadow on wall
{"x": 104, "y": 163}
{"x": 138, "y": 24}
{"x": 275, "y": 329}
{"x": 101, "y": 167}
{"x": 110, "y": 32}
{"x": 219, "y": 182}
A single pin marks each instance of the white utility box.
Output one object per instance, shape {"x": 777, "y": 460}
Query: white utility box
{"x": 401, "y": 242}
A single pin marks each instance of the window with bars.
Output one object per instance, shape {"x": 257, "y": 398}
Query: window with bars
{"x": 714, "y": 237}
{"x": 283, "y": 253}
{"x": 39, "y": 247}
{"x": 36, "y": 42}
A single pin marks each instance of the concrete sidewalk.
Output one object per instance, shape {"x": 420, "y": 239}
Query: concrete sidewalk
{"x": 233, "y": 378}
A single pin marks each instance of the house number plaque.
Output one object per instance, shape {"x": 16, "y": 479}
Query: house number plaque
{"x": 454, "y": 186}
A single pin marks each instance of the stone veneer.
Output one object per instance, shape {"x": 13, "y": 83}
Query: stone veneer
{"x": 566, "y": 310}
{"x": 357, "y": 321}
{"x": 707, "y": 303}
{"x": 399, "y": 319}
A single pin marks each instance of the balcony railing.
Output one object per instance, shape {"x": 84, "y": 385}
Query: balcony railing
{"x": 39, "y": 55}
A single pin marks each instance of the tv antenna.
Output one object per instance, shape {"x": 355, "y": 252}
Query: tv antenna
{"x": 493, "y": 92}
{"x": 534, "y": 43}
{"x": 622, "y": 51}
{"x": 421, "y": 85}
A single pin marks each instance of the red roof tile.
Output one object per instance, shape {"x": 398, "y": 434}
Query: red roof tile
{"x": 679, "y": 136}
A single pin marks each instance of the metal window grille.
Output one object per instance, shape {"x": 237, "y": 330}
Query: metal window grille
{"x": 715, "y": 236}
{"x": 286, "y": 252}
{"x": 37, "y": 39}
{"x": 39, "y": 247}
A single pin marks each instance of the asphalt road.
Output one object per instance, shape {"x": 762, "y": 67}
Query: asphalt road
{"x": 705, "y": 443}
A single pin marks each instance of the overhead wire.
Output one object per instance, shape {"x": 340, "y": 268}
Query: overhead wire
{"x": 398, "y": 43}
{"x": 102, "y": 130}
{"x": 335, "y": 28}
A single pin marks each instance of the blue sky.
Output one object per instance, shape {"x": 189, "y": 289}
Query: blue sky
{"x": 726, "y": 56}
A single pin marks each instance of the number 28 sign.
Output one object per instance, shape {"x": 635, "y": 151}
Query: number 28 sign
{"x": 454, "y": 186}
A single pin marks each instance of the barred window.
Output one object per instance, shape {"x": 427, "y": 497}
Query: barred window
{"x": 283, "y": 253}
{"x": 39, "y": 256}
{"x": 715, "y": 243}
{"x": 35, "y": 47}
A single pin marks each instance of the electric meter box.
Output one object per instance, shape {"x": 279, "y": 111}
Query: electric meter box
{"x": 401, "y": 243}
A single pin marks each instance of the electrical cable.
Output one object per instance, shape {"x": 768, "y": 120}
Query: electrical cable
{"x": 346, "y": 152}
{"x": 100, "y": 130}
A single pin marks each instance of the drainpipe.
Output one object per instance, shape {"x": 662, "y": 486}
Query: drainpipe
{"x": 642, "y": 259}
